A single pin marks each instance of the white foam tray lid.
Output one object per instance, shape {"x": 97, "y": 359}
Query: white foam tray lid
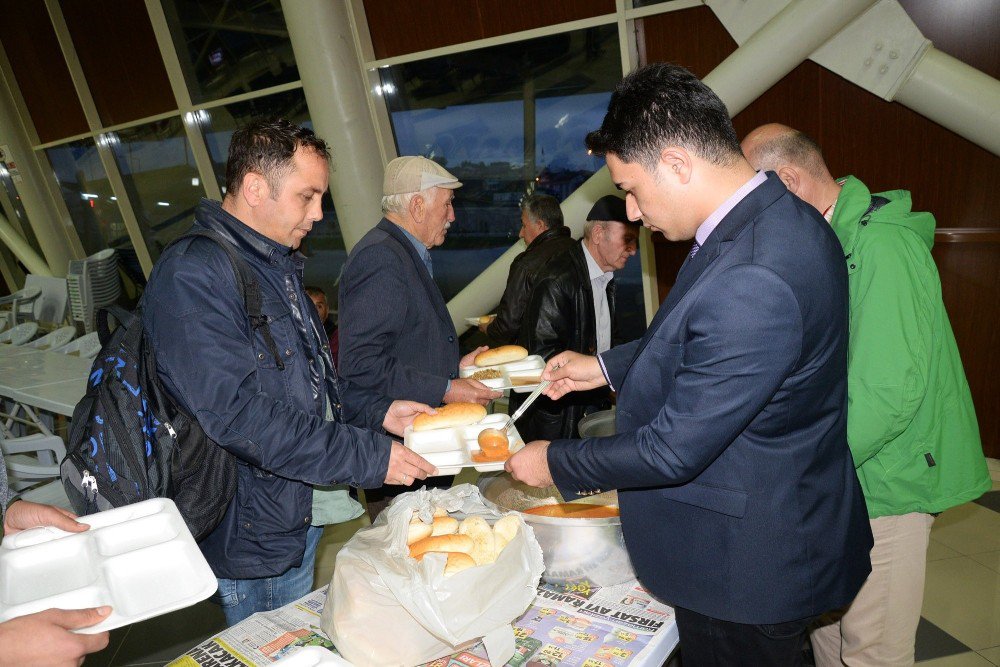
{"x": 312, "y": 656}
{"x": 140, "y": 559}
{"x": 451, "y": 449}
{"x": 532, "y": 366}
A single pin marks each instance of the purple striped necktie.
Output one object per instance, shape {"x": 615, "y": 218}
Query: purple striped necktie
{"x": 694, "y": 250}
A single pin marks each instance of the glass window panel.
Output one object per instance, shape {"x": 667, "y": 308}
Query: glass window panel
{"x": 92, "y": 205}
{"x": 507, "y": 120}
{"x": 17, "y": 217}
{"x": 161, "y": 177}
{"x": 228, "y": 48}
{"x": 325, "y": 244}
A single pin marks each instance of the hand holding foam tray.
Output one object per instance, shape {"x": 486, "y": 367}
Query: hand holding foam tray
{"x": 141, "y": 559}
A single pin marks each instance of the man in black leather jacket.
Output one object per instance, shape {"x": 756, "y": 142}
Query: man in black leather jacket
{"x": 572, "y": 307}
{"x": 546, "y": 237}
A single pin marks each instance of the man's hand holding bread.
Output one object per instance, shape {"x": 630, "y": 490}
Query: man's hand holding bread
{"x": 467, "y": 390}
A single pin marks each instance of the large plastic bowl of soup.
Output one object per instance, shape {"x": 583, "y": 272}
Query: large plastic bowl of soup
{"x": 581, "y": 545}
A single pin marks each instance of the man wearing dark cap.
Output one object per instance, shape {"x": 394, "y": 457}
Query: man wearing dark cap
{"x": 572, "y": 306}
{"x": 545, "y": 236}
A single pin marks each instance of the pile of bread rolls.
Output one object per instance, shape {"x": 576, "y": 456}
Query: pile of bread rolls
{"x": 468, "y": 543}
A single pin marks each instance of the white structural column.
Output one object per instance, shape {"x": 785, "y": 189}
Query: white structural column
{"x": 957, "y": 96}
{"x": 778, "y": 47}
{"x": 331, "y": 73}
{"x": 21, "y": 249}
{"x": 41, "y": 213}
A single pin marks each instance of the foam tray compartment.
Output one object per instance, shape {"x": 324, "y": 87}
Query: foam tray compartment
{"x": 451, "y": 449}
{"x": 529, "y": 367}
{"x": 140, "y": 559}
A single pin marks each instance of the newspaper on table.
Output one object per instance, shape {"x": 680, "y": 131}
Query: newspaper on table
{"x": 264, "y": 638}
{"x": 570, "y": 626}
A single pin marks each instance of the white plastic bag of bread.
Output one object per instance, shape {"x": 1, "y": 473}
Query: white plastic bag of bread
{"x": 439, "y": 570}
{"x": 506, "y": 367}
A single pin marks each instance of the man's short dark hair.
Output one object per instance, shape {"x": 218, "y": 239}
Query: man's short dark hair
{"x": 266, "y": 147}
{"x": 662, "y": 105}
{"x": 313, "y": 290}
{"x": 543, "y": 207}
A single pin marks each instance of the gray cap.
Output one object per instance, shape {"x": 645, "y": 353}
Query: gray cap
{"x": 413, "y": 173}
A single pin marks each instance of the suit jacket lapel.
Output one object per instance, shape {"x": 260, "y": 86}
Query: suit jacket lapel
{"x": 433, "y": 291}
{"x": 716, "y": 244}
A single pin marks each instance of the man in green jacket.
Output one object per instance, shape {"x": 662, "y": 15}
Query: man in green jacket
{"x": 911, "y": 424}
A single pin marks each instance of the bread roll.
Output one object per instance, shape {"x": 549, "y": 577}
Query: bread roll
{"x": 501, "y": 355}
{"x": 458, "y": 561}
{"x": 443, "y": 543}
{"x": 418, "y": 530}
{"x": 486, "y": 319}
{"x": 483, "y": 544}
{"x": 453, "y": 414}
{"x": 504, "y": 530}
{"x": 440, "y": 511}
{"x": 444, "y": 525}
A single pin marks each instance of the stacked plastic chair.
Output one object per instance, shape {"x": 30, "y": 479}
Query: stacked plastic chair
{"x": 93, "y": 283}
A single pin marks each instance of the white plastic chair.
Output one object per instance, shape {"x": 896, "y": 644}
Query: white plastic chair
{"x": 50, "y": 307}
{"x": 22, "y": 303}
{"x": 20, "y": 334}
{"x": 48, "y": 493}
{"x": 54, "y": 340}
{"x": 85, "y": 347}
{"x": 32, "y": 458}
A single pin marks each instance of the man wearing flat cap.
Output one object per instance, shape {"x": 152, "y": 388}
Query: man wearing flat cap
{"x": 396, "y": 334}
{"x": 572, "y": 307}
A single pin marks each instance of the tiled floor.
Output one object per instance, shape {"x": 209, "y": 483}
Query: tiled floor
{"x": 961, "y": 613}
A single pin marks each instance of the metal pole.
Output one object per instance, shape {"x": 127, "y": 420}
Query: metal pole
{"x": 331, "y": 72}
{"x": 778, "y": 47}
{"x": 22, "y": 250}
{"x": 957, "y": 96}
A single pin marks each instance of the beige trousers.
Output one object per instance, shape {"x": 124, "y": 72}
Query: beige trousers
{"x": 880, "y": 626}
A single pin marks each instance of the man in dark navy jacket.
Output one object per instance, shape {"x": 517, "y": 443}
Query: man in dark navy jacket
{"x": 739, "y": 501}
{"x": 396, "y": 334}
{"x": 290, "y": 425}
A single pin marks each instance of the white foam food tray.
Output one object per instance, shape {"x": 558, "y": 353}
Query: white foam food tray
{"x": 451, "y": 449}
{"x": 141, "y": 559}
{"x": 529, "y": 367}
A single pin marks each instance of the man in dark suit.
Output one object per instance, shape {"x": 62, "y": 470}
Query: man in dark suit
{"x": 739, "y": 501}
{"x": 396, "y": 334}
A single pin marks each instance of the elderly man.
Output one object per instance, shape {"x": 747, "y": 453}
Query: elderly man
{"x": 546, "y": 237}
{"x": 911, "y": 424}
{"x": 273, "y": 400}
{"x": 738, "y": 497}
{"x": 572, "y": 307}
{"x": 396, "y": 335}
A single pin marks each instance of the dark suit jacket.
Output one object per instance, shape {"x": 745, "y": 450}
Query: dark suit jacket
{"x": 738, "y": 494}
{"x": 396, "y": 335}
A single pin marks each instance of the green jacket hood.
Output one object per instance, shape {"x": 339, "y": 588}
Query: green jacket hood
{"x": 855, "y": 196}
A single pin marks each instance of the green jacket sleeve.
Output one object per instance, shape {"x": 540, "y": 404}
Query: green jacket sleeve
{"x": 890, "y": 341}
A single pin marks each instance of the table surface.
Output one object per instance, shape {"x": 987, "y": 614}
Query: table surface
{"x": 43, "y": 379}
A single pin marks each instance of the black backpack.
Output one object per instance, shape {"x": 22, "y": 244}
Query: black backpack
{"x": 130, "y": 441}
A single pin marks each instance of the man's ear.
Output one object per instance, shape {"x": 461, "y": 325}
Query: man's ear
{"x": 255, "y": 189}
{"x": 790, "y": 177}
{"x": 676, "y": 162}
{"x": 416, "y": 207}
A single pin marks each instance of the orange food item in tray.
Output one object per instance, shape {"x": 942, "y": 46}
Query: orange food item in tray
{"x": 575, "y": 511}
{"x": 479, "y": 457}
